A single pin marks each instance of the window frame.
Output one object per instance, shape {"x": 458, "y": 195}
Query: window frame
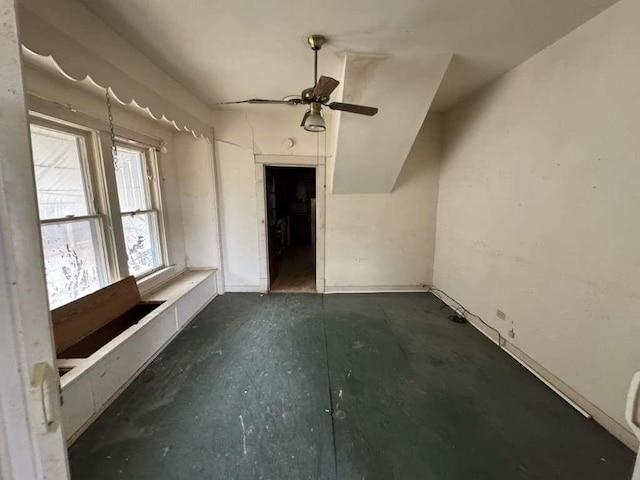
{"x": 100, "y": 183}
{"x": 88, "y": 172}
{"x": 154, "y": 197}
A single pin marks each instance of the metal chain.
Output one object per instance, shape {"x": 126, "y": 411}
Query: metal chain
{"x": 112, "y": 134}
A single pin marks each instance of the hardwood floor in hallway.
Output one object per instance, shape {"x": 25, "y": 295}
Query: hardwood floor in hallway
{"x": 297, "y": 271}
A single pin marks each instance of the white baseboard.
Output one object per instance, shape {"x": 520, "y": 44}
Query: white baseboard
{"x": 244, "y": 289}
{"x": 329, "y": 289}
{"x": 338, "y": 289}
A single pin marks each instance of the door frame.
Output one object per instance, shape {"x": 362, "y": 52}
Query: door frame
{"x": 31, "y": 440}
{"x": 309, "y": 161}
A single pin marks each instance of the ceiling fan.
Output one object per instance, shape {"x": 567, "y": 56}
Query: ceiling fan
{"x": 315, "y": 97}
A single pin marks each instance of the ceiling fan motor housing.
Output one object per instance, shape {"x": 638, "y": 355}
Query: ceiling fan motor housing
{"x": 308, "y": 96}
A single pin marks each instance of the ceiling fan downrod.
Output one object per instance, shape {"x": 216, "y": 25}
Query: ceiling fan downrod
{"x": 316, "y": 42}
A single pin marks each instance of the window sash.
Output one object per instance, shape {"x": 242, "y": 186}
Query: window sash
{"x": 154, "y": 240}
{"x": 87, "y": 158}
{"x": 97, "y": 254}
{"x": 146, "y": 176}
{"x": 70, "y": 218}
{"x": 136, "y": 212}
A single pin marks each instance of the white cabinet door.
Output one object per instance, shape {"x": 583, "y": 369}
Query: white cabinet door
{"x": 31, "y": 440}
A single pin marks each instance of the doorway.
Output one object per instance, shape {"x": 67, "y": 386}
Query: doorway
{"x": 291, "y": 218}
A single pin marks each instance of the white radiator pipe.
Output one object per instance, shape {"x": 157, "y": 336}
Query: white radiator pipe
{"x": 548, "y": 384}
{"x": 632, "y": 415}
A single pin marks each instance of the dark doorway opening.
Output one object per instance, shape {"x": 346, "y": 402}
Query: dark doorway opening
{"x": 291, "y": 214}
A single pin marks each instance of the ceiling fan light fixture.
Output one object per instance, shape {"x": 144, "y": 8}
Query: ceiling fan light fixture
{"x": 314, "y": 121}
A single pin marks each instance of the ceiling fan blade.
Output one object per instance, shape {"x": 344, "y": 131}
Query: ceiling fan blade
{"x": 262, "y": 101}
{"x": 351, "y": 108}
{"x": 325, "y": 86}
{"x": 304, "y": 119}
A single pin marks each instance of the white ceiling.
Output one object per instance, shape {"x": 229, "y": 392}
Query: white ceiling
{"x": 236, "y": 49}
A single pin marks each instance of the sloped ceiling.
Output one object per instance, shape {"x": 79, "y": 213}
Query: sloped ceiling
{"x": 367, "y": 158}
{"x": 236, "y": 49}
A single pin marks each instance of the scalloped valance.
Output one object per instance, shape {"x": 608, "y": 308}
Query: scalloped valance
{"x": 78, "y": 62}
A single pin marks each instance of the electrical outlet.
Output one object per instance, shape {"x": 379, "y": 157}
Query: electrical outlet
{"x": 500, "y": 314}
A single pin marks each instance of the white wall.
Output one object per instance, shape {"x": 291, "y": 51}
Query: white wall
{"x": 195, "y": 171}
{"x": 241, "y": 135}
{"x": 238, "y": 212}
{"x": 379, "y": 242}
{"x": 386, "y": 241}
{"x": 538, "y": 207}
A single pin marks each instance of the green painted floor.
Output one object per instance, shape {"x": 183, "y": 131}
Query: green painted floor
{"x": 340, "y": 386}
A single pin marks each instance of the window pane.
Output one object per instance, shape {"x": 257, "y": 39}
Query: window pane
{"x": 74, "y": 260}
{"x": 57, "y": 158}
{"x": 131, "y": 177}
{"x": 142, "y": 241}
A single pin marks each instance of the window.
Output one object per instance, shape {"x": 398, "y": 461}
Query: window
{"x": 83, "y": 251}
{"x": 134, "y": 177}
{"x": 72, "y": 232}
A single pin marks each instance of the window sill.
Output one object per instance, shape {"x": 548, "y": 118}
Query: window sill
{"x": 155, "y": 279}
